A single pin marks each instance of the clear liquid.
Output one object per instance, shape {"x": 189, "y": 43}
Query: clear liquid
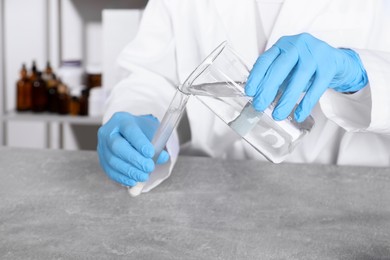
{"x": 227, "y": 100}
{"x": 169, "y": 122}
{"x": 178, "y": 104}
{"x": 263, "y": 134}
{"x": 275, "y": 140}
{"x": 217, "y": 89}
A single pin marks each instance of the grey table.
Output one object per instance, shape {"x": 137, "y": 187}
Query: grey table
{"x": 59, "y": 204}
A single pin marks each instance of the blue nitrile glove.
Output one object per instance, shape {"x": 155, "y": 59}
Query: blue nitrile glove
{"x": 309, "y": 65}
{"x": 124, "y": 148}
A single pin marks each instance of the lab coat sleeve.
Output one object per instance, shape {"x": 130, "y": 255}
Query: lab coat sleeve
{"x": 150, "y": 63}
{"x": 367, "y": 110}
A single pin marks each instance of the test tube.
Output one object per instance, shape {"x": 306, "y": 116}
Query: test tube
{"x": 164, "y": 131}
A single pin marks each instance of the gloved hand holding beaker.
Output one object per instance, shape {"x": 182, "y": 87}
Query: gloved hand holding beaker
{"x": 125, "y": 149}
{"x": 309, "y": 65}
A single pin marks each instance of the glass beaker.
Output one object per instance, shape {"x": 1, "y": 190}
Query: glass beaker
{"x": 219, "y": 82}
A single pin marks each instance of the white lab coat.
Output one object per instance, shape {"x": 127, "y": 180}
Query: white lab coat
{"x": 176, "y": 35}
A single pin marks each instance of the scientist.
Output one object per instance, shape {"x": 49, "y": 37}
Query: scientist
{"x": 337, "y": 53}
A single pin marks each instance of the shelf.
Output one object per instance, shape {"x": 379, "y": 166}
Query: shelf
{"x": 60, "y": 30}
{"x": 46, "y": 117}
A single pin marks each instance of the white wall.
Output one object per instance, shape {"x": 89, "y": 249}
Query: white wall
{"x": 119, "y": 28}
{"x": 72, "y": 31}
{"x": 94, "y": 39}
{"x": 25, "y": 40}
{"x": 54, "y": 33}
{"x": 30, "y": 135}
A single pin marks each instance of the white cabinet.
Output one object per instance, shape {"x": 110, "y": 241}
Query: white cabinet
{"x": 55, "y": 30}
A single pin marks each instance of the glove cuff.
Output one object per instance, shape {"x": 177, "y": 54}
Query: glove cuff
{"x": 354, "y": 76}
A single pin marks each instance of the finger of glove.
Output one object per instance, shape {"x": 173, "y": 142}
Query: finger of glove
{"x": 299, "y": 81}
{"x": 260, "y": 69}
{"x": 127, "y": 169}
{"x": 163, "y": 158}
{"x": 136, "y": 137}
{"x": 122, "y": 149}
{"x": 148, "y": 124}
{"x": 312, "y": 96}
{"x": 106, "y": 130}
{"x": 276, "y": 74}
{"x": 114, "y": 174}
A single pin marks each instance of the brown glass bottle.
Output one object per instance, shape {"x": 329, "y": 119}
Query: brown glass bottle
{"x": 63, "y": 99}
{"x": 48, "y": 72}
{"x": 23, "y": 91}
{"x": 74, "y": 107}
{"x": 34, "y": 71}
{"x": 39, "y": 94}
{"x": 84, "y": 103}
{"x": 52, "y": 94}
{"x": 52, "y": 98}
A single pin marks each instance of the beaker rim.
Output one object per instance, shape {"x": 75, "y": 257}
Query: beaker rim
{"x": 205, "y": 64}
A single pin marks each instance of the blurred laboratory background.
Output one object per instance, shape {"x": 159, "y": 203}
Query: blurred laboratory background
{"x": 57, "y": 62}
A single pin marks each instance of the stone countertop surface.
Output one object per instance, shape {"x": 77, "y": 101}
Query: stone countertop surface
{"x": 60, "y": 205}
